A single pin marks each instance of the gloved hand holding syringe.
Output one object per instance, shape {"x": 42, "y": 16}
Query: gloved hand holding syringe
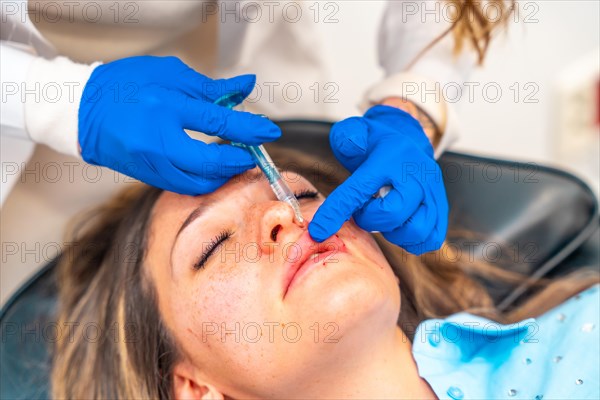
{"x": 264, "y": 162}
{"x": 146, "y": 139}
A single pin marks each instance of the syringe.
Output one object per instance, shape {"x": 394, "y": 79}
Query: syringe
{"x": 263, "y": 160}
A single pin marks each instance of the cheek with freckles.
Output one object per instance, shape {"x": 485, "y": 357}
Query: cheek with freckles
{"x": 220, "y": 335}
{"x": 363, "y": 244}
{"x": 227, "y": 293}
{"x": 212, "y": 316}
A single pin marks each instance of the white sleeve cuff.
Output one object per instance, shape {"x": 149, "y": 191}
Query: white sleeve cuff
{"x": 13, "y": 73}
{"x": 426, "y": 94}
{"x": 54, "y": 90}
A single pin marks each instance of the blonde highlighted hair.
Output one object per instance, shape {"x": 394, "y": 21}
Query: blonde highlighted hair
{"x": 473, "y": 23}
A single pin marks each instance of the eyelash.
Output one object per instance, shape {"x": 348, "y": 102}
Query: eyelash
{"x": 212, "y": 247}
{"x": 224, "y": 235}
{"x": 306, "y": 194}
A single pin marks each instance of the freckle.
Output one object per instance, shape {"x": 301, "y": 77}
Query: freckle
{"x": 282, "y": 325}
{"x": 193, "y": 333}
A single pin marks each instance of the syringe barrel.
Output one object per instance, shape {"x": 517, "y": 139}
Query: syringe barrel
{"x": 265, "y": 163}
{"x": 260, "y": 155}
{"x": 285, "y": 194}
{"x": 281, "y": 191}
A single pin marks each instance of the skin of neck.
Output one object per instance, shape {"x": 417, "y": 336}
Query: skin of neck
{"x": 384, "y": 369}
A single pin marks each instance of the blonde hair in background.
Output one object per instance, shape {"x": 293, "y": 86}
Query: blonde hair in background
{"x": 473, "y": 25}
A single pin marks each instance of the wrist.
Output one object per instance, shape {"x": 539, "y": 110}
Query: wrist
{"x": 431, "y": 129}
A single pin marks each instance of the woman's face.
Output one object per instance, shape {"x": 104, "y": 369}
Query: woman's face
{"x": 258, "y": 308}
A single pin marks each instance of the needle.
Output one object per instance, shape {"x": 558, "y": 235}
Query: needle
{"x": 263, "y": 160}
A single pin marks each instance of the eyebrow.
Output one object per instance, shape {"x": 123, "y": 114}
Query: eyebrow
{"x": 202, "y": 209}
{"x": 205, "y": 207}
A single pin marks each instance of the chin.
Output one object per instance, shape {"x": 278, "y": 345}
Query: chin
{"x": 351, "y": 295}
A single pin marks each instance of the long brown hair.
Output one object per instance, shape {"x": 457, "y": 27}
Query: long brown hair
{"x": 103, "y": 286}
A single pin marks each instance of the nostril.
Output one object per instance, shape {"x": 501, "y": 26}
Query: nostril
{"x": 274, "y": 232}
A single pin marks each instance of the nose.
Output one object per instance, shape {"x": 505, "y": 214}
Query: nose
{"x": 277, "y": 226}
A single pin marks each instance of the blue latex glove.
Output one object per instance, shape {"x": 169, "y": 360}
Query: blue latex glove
{"x": 386, "y": 147}
{"x": 132, "y": 118}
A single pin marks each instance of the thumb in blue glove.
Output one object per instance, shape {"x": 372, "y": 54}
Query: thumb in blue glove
{"x": 132, "y": 117}
{"x": 386, "y": 147}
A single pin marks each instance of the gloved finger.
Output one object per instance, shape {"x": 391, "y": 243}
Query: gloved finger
{"x": 161, "y": 173}
{"x": 241, "y": 85}
{"x": 190, "y": 184}
{"x": 211, "y": 90}
{"x": 176, "y": 180}
{"x": 237, "y": 126}
{"x": 391, "y": 116}
{"x": 207, "y": 160}
{"x": 425, "y": 247}
{"x": 392, "y": 211}
{"x": 339, "y": 206}
{"x": 199, "y": 86}
{"x": 433, "y": 183}
{"x": 194, "y": 185}
{"x": 418, "y": 227}
{"x": 440, "y": 199}
{"x": 435, "y": 240}
{"x": 437, "y": 198}
{"x": 400, "y": 119}
{"x": 349, "y": 142}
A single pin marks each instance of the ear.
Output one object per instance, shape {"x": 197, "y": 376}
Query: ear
{"x": 187, "y": 386}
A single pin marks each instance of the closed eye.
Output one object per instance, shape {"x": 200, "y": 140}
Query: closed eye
{"x": 216, "y": 242}
{"x": 306, "y": 194}
{"x": 212, "y": 247}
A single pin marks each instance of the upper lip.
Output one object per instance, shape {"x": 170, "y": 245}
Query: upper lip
{"x": 307, "y": 247}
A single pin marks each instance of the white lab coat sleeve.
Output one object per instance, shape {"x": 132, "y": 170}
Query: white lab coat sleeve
{"x": 40, "y": 103}
{"x": 436, "y": 80}
{"x": 15, "y": 146}
{"x": 52, "y": 116}
{"x": 40, "y": 93}
{"x": 34, "y": 114}
{"x": 20, "y": 44}
{"x": 41, "y": 97}
{"x": 13, "y": 73}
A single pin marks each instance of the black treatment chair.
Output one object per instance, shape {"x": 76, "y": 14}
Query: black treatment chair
{"x": 544, "y": 221}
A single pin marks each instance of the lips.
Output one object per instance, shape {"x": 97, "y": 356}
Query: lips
{"x": 300, "y": 255}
